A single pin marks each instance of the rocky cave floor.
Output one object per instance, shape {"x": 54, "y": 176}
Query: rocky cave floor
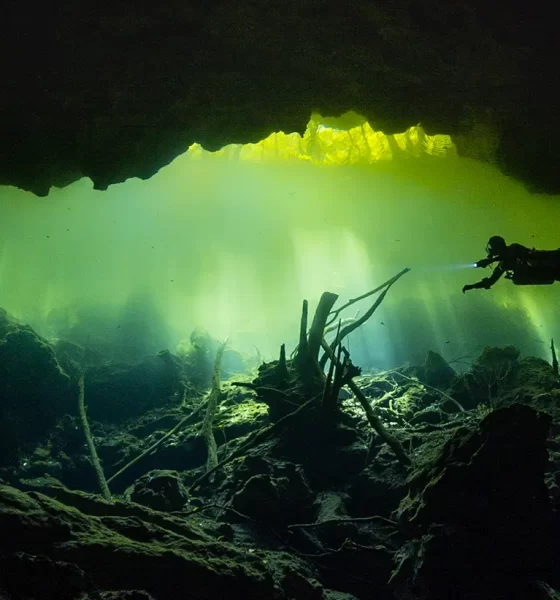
{"x": 309, "y": 508}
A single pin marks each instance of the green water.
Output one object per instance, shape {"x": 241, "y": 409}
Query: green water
{"x": 234, "y": 247}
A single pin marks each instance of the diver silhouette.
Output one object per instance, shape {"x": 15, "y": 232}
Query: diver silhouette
{"x": 524, "y": 266}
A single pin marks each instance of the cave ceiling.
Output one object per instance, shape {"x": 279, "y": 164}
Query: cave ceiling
{"x": 112, "y": 90}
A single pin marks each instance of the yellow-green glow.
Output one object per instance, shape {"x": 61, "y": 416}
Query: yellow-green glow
{"x": 349, "y": 140}
{"x": 233, "y": 241}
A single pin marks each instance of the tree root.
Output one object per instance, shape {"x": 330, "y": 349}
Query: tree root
{"x": 373, "y": 419}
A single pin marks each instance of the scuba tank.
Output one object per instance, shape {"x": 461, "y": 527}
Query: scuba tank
{"x": 531, "y": 277}
{"x": 541, "y": 267}
{"x": 544, "y": 259}
{"x": 533, "y": 271}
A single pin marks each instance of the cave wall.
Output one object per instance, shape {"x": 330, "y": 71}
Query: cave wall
{"x": 118, "y": 89}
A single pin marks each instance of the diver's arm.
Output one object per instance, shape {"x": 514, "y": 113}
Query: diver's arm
{"x": 484, "y": 262}
{"x": 487, "y": 282}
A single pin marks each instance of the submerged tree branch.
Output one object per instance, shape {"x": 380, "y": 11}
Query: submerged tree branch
{"x": 213, "y": 398}
{"x": 357, "y": 323}
{"x": 340, "y": 323}
{"x": 156, "y": 444}
{"x": 91, "y": 446}
{"x": 389, "y": 282}
{"x": 342, "y": 520}
{"x": 554, "y": 358}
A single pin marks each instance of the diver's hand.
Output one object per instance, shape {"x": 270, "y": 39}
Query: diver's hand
{"x": 466, "y": 288}
{"x": 484, "y": 262}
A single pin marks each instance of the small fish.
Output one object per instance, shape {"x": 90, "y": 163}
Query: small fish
{"x": 382, "y": 323}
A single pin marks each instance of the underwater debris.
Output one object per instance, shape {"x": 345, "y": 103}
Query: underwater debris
{"x": 302, "y": 382}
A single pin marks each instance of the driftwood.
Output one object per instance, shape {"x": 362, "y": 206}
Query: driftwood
{"x": 554, "y": 358}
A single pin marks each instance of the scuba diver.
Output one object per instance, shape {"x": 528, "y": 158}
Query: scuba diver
{"x": 524, "y": 266}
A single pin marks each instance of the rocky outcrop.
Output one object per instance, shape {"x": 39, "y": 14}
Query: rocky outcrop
{"x": 115, "y": 548}
{"x": 117, "y": 90}
{"x": 479, "y": 516}
{"x": 160, "y": 490}
{"x": 34, "y": 390}
{"x": 64, "y": 544}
